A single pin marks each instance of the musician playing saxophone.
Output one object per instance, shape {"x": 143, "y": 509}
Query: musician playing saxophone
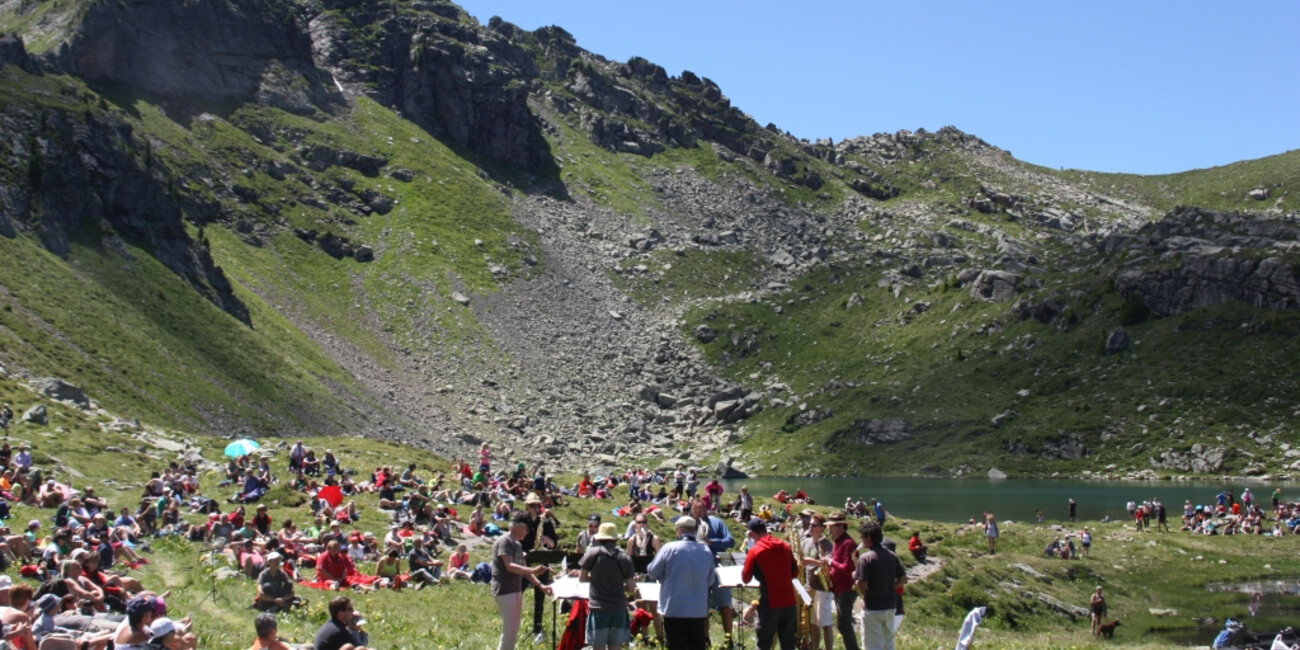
{"x": 817, "y": 579}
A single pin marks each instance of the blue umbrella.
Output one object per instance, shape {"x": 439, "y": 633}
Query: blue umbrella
{"x": 241, "y": 447}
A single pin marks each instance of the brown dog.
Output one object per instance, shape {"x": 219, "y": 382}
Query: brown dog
{"x": 1108, "y": 629}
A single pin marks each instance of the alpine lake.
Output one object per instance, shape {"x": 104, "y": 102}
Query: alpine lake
{"x": 959, "y": 501}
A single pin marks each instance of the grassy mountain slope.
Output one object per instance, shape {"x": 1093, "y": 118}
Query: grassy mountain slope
{"x": 409, "y": 270}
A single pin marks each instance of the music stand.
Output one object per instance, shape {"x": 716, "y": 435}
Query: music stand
{"x": 548, "y": 557}
{"x": 729, "y": 577}
{"x": 214, "y": 549}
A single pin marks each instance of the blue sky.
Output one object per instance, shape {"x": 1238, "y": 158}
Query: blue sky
{"x": 1144, "y": 87}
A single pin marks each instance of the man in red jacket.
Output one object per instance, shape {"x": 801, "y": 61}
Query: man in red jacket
{"x": 842, "y": 564}
{"x": 771, "y": 561}
{"x": 334, "y": 566}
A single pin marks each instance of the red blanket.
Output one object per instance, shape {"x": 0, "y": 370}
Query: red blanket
{"x": 353, "y": 579}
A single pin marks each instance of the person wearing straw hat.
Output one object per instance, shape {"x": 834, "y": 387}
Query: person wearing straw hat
{"x": 540, "y": 535}
{"x": 613, "y": 581}
{"x": 841, "y": 565}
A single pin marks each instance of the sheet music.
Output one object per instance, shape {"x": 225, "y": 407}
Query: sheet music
{"x": 571, "y": 588}
{"x": 649, "y": 591}
{"x": 803, "y": 593}
{"x": 729, "y": 576}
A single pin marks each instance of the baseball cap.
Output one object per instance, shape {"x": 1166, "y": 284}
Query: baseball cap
{"x": 48, "y": 602}
{"x": 757, "y": 525}
{"x": 162, "y": 627}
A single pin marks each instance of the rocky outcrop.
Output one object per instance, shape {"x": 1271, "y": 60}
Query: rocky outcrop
{"x": 92, "y": 177}
{"x": 1069, "y": 446}
{"x": 462, "y": 90}
{"x": 59, "y": 390}
{"x": 1209, "y": 258}
{"x": 459, "y": 81}
{"x": 200, "y": 53}
{"x": 995, "y": 286}
{"x": 872, "y": 432}
{"x": 1201, "y": 458}
{"x": 1208, "y": 281}
{"x": 13, "y": 51}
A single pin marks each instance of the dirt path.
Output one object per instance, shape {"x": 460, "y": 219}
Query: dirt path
{"x": 922, "y": 571}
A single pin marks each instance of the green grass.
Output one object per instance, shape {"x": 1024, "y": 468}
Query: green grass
{"x": 106, "y": 325}
{"x": 43, "y": 23}
{"x": 1216, "y": 188}
{"x": 947, "y": 382}
{"x": 1139, "y": 571}
{"x": 609, "y": 179}
{"x": 693, "y": 275}
{"x": 140, "y": 341}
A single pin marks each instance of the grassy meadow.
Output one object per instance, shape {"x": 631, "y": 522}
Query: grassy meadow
{"x": 1141, "y": 572}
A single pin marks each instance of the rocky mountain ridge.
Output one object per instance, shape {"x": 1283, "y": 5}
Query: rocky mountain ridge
{"x": 595, "y": 320}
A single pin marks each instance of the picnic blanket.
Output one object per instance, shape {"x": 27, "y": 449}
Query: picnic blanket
{"x": 354, "y": 578}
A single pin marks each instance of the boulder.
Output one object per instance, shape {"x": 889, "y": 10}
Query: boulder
{"x": 705, "y": 334}
{"x": 1031, "y": 571}
{"x": 36, "y": 415}
{"x": 1117, "y": 341}
{"x": 995, "y": 286}
{"x": 460, "y": 297}
{"x": 57, "y": 389}
{"x": 647, "y": 393}
{"x": 996, "y": 473}
{"x": 1001, "y": 418}
{"x": 782, "y": 259}
{"x": 1258, "y": 194}
{"x": 725, "y": 470}
{"x": 12, "y": 50}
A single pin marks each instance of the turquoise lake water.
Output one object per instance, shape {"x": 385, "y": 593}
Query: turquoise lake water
{"x": 957, "y": 500}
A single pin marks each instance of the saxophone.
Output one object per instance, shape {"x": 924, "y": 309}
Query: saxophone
{"x": 823, "y": 575}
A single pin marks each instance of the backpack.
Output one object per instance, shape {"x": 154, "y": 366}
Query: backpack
{"x": 482, "y": 573}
